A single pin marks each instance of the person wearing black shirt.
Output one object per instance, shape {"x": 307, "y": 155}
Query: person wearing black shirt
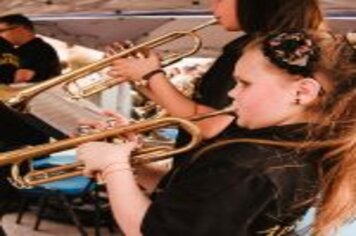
{"x": 9, "y": 61}
{"x": 38, "y": 59}
{"x": 293, "y": 146}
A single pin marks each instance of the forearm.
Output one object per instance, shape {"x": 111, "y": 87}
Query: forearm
{"x": 170, "y": 98}
{"x": 148, "y": 93}
{"x": 213, "y": 126}
{"x": 128, "y": 202}
{"x": 23, "y": 75}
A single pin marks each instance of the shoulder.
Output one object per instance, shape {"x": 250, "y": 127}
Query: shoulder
{"x": 238, "y": 43}
{"x": 232, "y": 161}
{"x": 207, "y": 179}
{"x": 41, "y": 44}
{"x": 279, "y": 164}
{"x": 37, "y": 45}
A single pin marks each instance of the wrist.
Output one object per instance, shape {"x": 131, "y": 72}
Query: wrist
{"x": 148, "y": 77}
{"x": 152, "y": 74}
{"x": 115, "y": 167}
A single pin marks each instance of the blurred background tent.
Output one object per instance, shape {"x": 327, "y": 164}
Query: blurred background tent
{"x": 96, "y": 23}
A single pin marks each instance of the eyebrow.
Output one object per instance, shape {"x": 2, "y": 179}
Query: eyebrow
{"x": 239, "y": 79}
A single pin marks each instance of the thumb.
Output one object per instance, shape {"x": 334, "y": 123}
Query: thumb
{"x": 130, "y": 146}
{"x": 153, "y": 54}
{"x": 87, "y": 172}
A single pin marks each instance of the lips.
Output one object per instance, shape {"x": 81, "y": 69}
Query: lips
{"x": 236, "y": 110}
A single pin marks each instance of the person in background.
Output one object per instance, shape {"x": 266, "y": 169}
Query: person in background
{"x": 38, "y": 59}
{"x": 293, "y": 147}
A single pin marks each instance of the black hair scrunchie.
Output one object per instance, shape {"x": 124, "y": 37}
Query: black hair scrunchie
{"x": 294, "y": 51}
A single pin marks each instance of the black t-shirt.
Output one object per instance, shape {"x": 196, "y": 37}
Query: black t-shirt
{"x": 237, "y": 189}
{"x": 39, "y": 56}
{"x": 18, "y": 131}
{"x": 9, "y": 62}
{"x": 218, "y": 80}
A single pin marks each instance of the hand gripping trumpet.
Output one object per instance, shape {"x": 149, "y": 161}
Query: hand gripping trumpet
{"x": 17, "y": 98}
{"x": 139, "y": 157}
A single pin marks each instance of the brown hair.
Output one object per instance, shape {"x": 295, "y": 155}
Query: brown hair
{"x": 334, "y": 133}
{"x": 337, "y": 107}
{"x": 276, "y": 15}
{"x": 17, "y": 20}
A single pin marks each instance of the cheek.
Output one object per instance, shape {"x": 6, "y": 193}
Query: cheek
{"x": 226, "y": 13}
{"x": 256, "y": 103}
{"x": 257, "y": 107}
{"x": 256, "y": 95}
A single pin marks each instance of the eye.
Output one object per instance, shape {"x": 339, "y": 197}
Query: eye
{"x": 243, "y": 83}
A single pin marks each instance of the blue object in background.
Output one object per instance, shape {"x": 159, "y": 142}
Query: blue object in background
{"x": 347, "y": 230}
{"x": 169, "y": 133}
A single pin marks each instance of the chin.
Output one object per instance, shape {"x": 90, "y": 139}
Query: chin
{"x": 231, "y": 28}
{"x": 241, "y": 123}
{"x": 246, "y": 125}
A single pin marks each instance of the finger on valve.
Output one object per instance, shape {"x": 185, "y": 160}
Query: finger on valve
{"x": 114, "y": 48}
{"x": 86, "y": 127}
{"x": 115, "y": 118}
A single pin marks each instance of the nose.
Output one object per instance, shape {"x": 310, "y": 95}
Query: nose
{"x": 233, "y": 92}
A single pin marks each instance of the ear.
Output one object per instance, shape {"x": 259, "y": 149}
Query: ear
{"x": 307, "y": 90}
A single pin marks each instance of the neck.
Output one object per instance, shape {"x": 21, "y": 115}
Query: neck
{"x": 304, "y": 117}
{"x": 308, "y": 117}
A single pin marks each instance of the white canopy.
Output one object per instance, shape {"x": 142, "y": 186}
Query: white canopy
{"x": 32, "y": 7}
{"x": 96, "y": 23}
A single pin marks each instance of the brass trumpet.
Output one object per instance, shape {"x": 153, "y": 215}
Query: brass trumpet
{"x": 17, "y": 98}
{"x": 139, "y": 157}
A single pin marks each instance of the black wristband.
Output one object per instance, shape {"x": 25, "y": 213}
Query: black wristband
{"x": 149, "y": 75}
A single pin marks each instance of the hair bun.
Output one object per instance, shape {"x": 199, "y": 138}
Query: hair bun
{"x": 294, "y": 51}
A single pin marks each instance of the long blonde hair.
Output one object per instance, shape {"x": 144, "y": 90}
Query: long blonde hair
{"x": 335, "y": 133}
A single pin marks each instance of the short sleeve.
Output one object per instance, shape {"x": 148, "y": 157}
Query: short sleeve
{"x": 212, "y": 202}
{"x": 40, "y": 57}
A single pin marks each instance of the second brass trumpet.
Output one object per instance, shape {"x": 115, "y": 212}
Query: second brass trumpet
{"x": 12, "y": 98}
{"x": 140, "y": 157}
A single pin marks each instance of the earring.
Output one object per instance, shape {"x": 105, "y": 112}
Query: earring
{"x": 297, "y": 99}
